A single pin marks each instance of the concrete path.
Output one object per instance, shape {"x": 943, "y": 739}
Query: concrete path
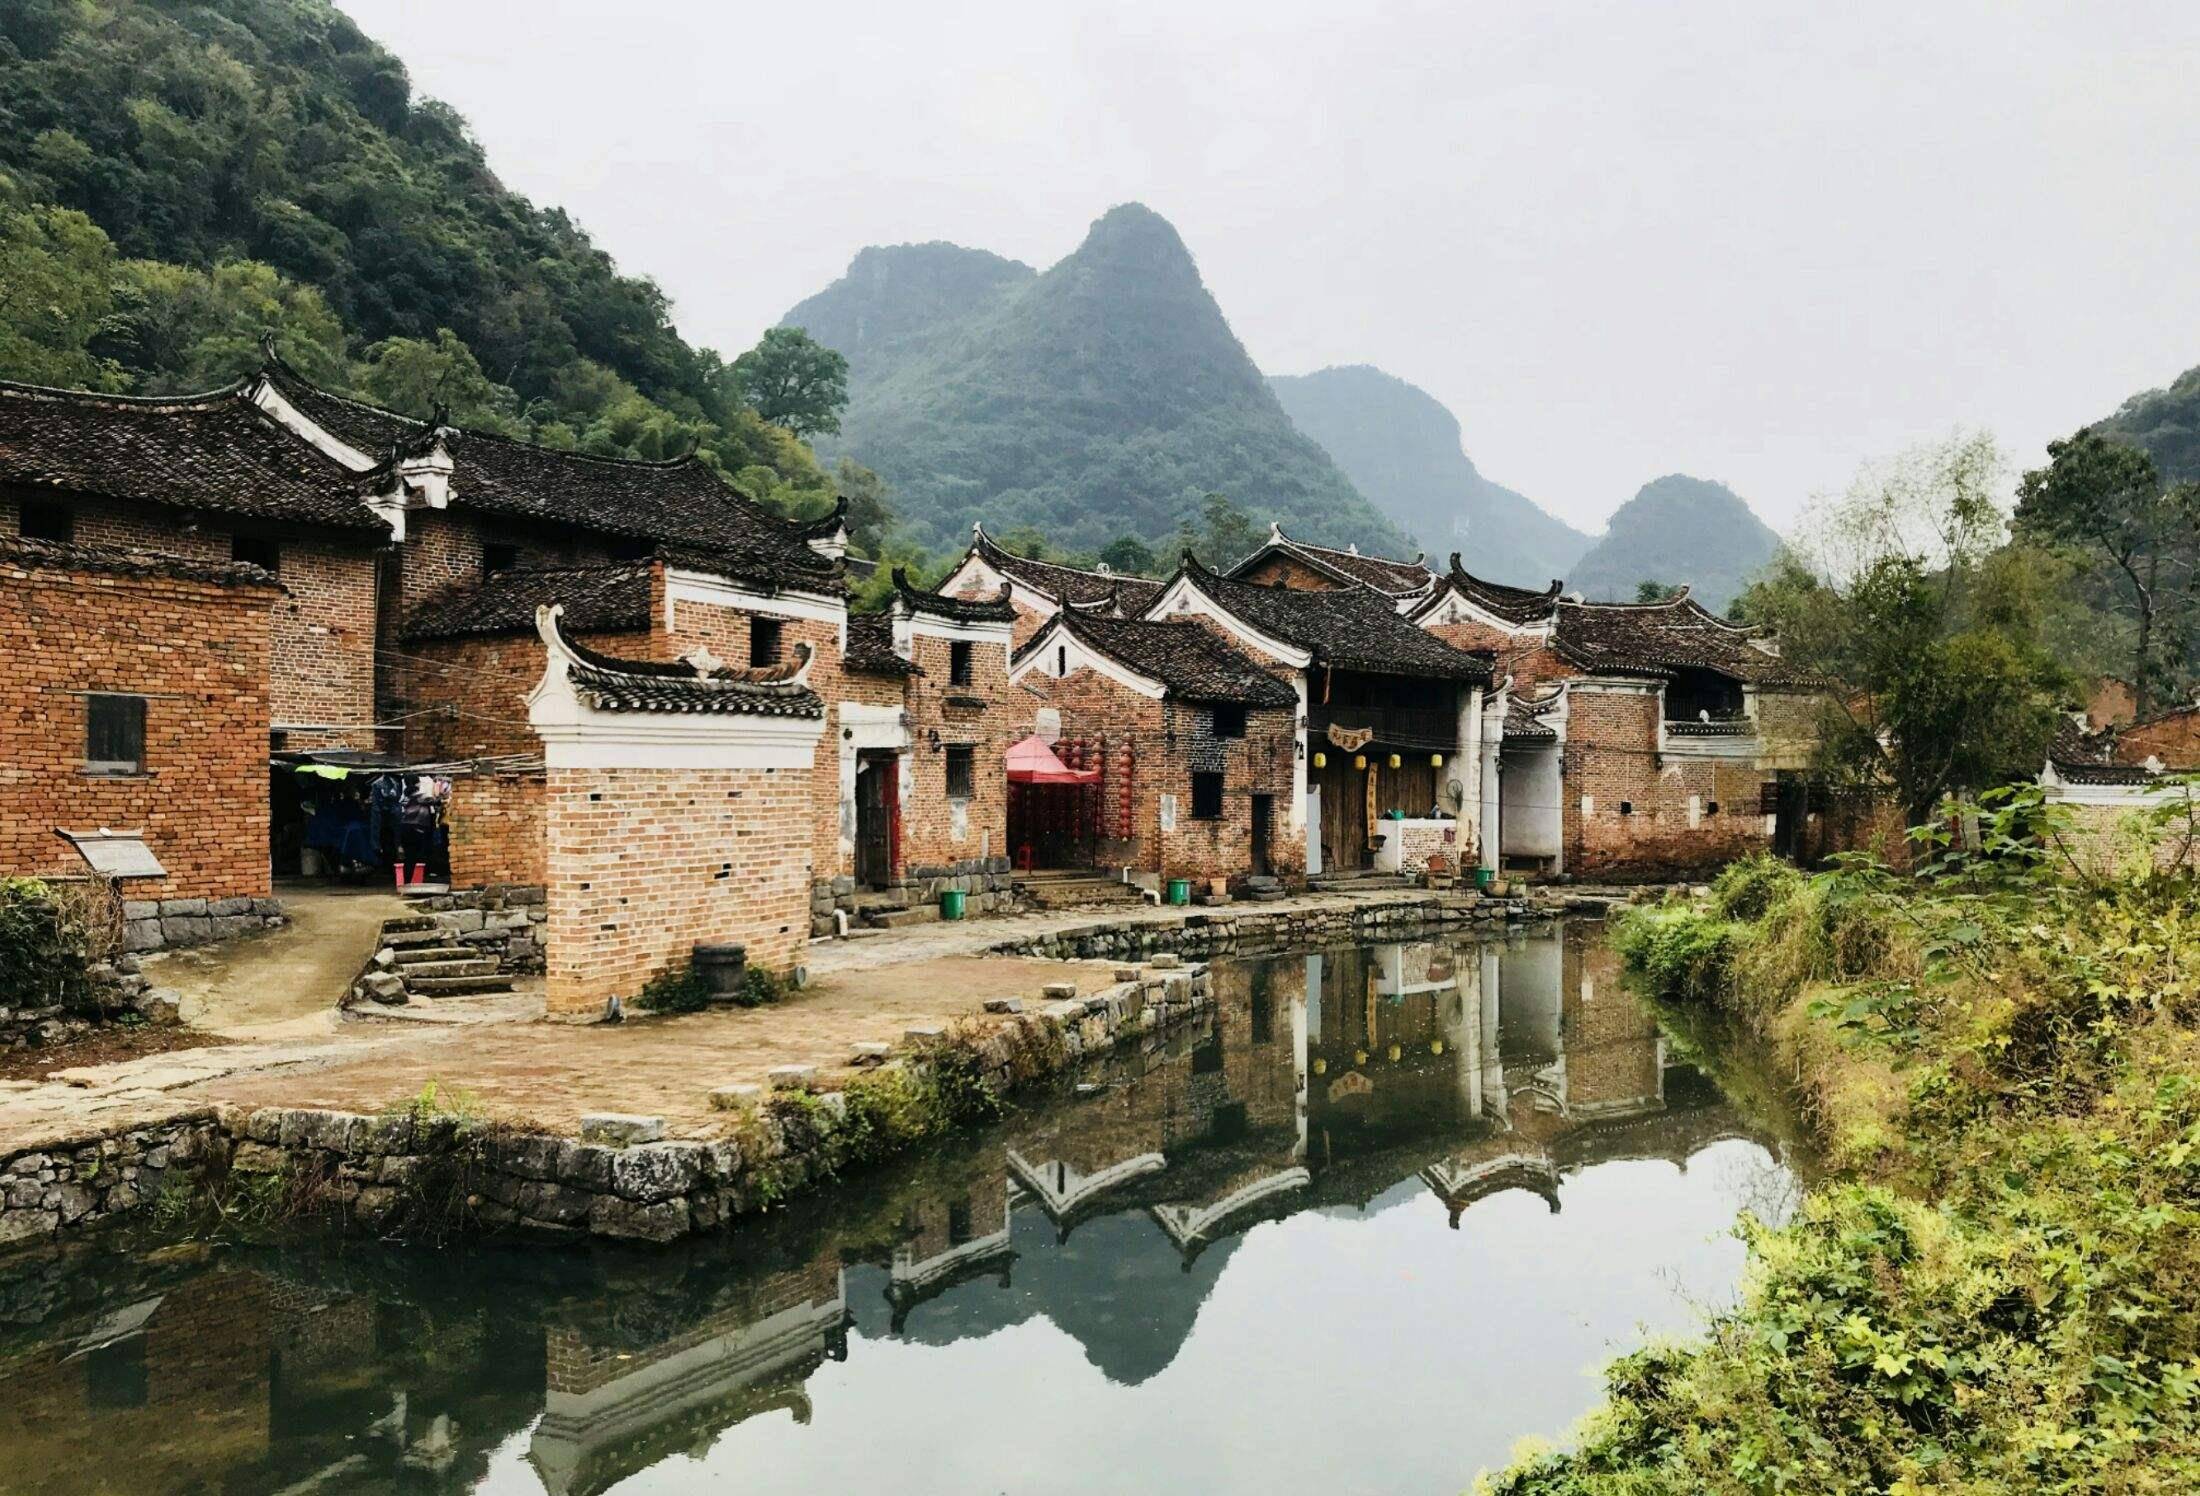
{"x": 285, "y": 982}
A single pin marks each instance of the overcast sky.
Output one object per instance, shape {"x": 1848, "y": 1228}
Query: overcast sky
{"x": 1757, "y": 242}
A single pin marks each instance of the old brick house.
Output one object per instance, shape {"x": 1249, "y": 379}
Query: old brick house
{"x": 1395, "y": 723}
{"x": 678, "y": 810}
{"x": 1283, "y": 562}
{"x": 136, "y": 698}
{"x": 1039, "y": 589}
{"x": 1196, "y": 745}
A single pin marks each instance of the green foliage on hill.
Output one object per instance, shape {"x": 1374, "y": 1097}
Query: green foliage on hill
{"x": 1402, "y": 449}
{"x": 176, "y": 180}
{"x": 2164, "y": 424}
{"x": 1104, "y": 397}
{"x": 1677, "y": 529}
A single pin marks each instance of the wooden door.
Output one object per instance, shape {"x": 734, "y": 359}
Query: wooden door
{"x": 1344, "y": 815}
{"x": 878, "y": 814}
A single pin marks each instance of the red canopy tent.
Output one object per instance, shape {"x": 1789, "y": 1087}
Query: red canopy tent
{"x": 1033, "y": 762}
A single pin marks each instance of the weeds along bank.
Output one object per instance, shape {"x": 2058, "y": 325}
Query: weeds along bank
{"x": 1998, "y": 1288}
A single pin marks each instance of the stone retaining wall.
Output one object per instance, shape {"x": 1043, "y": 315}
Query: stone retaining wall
{"x": 987, "y": 883}
{"x": 157, "y": 924}
{"x": 503, "y": 920}
{"x": 1408, "y": 917}
{"x": 379, "y": 1173}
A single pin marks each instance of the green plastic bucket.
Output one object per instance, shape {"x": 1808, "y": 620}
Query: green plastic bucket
{"x": 1484, "y": 877}
{"x": 951, "y": 904}
{"x": 1180, "y": 890}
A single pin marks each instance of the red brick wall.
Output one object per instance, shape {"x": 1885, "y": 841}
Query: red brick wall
{"x": 497, "y": 833}
{"x": 2174, "y": 738}
{"x": 1612, "y": 757}
{"x": 467, "y": 698}
{"x": 725, "y": 633}
{"x": 1167, "y": 740}
{"x": 929, "y": 821}
{"x": 1273, "y": 570}
{"x": 322, "y": 635}
{"x": 199, "y": 654}
{"x": 643, "y": 863}
{"x": 1529, "y": 660}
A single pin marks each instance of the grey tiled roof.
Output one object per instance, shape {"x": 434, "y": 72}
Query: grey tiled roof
{"x": 1397, "y": 578}
{"x": 677, "y": 504}
{"x": 996, "y": 609}
{"x": 1513, "y": 604}
{"x": 611, "y": 684}
{"x": 1656, "y": 639}
{"x": 597, "y": 600}
{"x": 1070, "y": 584}
{"x": 2082, "y": 757}
{"x": 871, "y": 647}
{"x": 1184, "y": 656}
{"x": 1351, "y": 628}
{"x": 217, "y": 452}
{"x": 20, "y": 553}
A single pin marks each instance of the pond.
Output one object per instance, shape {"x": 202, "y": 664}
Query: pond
{"x": 1380, "y": 1218}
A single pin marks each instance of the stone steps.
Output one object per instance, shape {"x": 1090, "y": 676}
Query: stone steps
{"x": 895, "y": 919}
{"x": 1073, "y": 893}
{"x": 1357, "y": 882}
{"x": 450, "y": 986}
{"x": 399, "y": 939}
{"x": 429, "y": 971}
{"x": 421, "y": 955}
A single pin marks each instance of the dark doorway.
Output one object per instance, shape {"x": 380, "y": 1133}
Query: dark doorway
{"x": 1264, "y": 815}
{"x": 1790, "y": 814}
{"x": 878, "y": 817}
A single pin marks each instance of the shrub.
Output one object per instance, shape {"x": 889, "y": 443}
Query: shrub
{"x": 47, "y": 938}
{"x": 683, "y": 990}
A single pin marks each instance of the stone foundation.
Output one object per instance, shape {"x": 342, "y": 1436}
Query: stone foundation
{"x": 1207, "y": 935}
{"x": 987, "y": 884}
{"x": 377, "y": 1172}
{"x": 159, "y": 924}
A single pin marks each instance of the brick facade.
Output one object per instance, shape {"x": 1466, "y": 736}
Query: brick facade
{"x": 197, "y": 653}
{"x": 1631, "y": 812}
{"x": 497, "y": 829}
{"x": 984, "y": 716}
{"x": 321, "y": 635}
{"x": 645, "y": 863}
{"x": 1150, "y": 747}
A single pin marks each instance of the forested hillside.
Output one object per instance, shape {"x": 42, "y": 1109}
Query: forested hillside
{"x": 2165, "y": 424}
{"x": 1677, "y": 529}
{"x": 1102, "y": 398}
{"x": 1401, "y": 448}
{"x": 175, "y": 179}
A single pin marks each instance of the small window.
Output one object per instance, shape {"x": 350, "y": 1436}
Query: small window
{"x": 114, "y": 734}
{"x": 42, "y": 519}
{"x": 1061, "y": 659}
{"x": 959, "y": 661}
{"x": 1711, "y": 807}
{"x": 1229, "y": 721}
{"x": 1206, "y": 797}
{"x": 961, "y": 773}
{"x": 495, "y": 558}
{"x": 257, "y": 550}
{"x": 764, "y": 640}
{"x": 1626, "y": 807}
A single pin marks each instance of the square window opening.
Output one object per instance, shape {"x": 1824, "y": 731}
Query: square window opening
{"x": 766, "y": 635}
{"x": 1206, "y": 797}
{"x": 961, "y": 661}
{"x": 495, "y": 558}
{"x": 1626, "y": 807}
{"x": 1711, "y": 807}
{"x": 1229, "y": 721}
{"x": 257, "y": 550}
{"x": 42, "y": 519}
{"x": 114, "y": 734}
{"x": 961, "y": 772}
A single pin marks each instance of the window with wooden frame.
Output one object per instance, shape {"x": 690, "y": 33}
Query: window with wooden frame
{"x": 114, "y": 734}
{"x": 961, "y": 658}
{"x": 961, "y": 771}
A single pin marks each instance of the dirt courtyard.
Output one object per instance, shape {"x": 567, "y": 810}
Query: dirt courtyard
{"x": 549, "y": 1074}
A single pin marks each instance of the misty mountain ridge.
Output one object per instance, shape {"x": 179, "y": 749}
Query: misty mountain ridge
{"x": 1101, "y": 397}
{"x": 1402, "y": 449}
{"x": 1677, "y": 529}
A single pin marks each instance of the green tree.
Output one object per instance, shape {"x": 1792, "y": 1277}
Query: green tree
{"x": 794, "y": 381}
{"x": 418, "y": 377}
{"x": 1902, "y": 594}
{"x": 870, "y": 517}
{"x": 1224, "y": 534}
{"x": 56, "y": 270}
{"x": 1130, "y": 556}
{"x": 2105, "y": 498}
{"x": 1655, "y": 592}
{"x": 177, "y": 329}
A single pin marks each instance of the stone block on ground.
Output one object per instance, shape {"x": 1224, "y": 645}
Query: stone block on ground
{"x": 734, "y": 1098}
{"x": 621, "y": 1129}
{"x": 869, "y": 1052}
{"x": 1010, "y": 1004}
{"x": 924, "y": 1033}
{"x": 1055, "y": 991}
{"x": 791, "y": 1077}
